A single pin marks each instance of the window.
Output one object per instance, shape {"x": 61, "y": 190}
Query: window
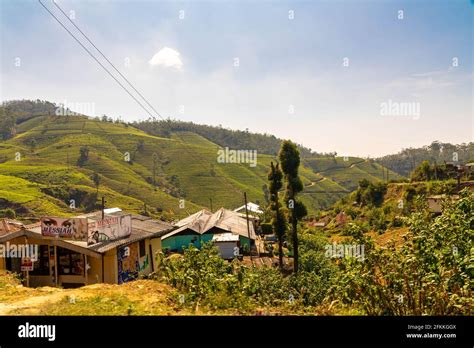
{"x": 70, "y": 262}
{"x": 142, "y": 248}
{"x": 41, "y": 266}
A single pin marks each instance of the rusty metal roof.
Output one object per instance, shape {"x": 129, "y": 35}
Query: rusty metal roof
{"x": 223, "y": 219}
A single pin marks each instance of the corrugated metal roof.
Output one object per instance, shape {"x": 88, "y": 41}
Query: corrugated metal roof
{"x": 225, "y": 237}
{"x": 224, "y": 219}
{"x": 251, "y": 208}
{"x": 136, "y": 236}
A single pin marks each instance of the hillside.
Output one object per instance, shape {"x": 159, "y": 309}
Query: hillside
{"x": 237, "y": 139}
{"x": 41, "y": 170}
{"x": 380, "y": 210}
{"x": 437, "y": 152}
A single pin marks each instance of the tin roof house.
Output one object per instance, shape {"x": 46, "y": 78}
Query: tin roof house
{"x": 203, "y": 225}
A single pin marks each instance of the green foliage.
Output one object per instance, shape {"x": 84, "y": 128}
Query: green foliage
{"x": 370, "y": 194}
{"x": 96, "y": 180}
{"x": 157, "y": 181}
{"x": 290, "y": 162}
{"x": 83, "y": 155}
{"x": 427, "y": 172}
{"x": 267, "y": 228}
{"x": 430, "y": 274}
{"x": 407, "y": 160}
{"x": 275, "y": 178}
{"x": 7, "y": 124}
{"x": 234, "y": 139}
{"x": 355, "y": 229}
{"x": 377, "y": 219}
{"x": 8, "y": 213}
{"x": 205, "y": 278}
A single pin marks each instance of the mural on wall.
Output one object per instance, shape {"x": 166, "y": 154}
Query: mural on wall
{"x": 128, "y": 263}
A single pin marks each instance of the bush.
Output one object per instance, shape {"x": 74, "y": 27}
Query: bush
{"x": 430, "y": 274}
{"x": 266, "y": 228}
{"x": 8, "y": 213}
{"x": 209, "y": 280}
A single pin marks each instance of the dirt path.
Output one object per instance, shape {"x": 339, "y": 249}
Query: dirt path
{"x": 36, "y": 299}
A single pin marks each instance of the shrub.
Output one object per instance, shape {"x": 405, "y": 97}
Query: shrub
{"x": 8, "y": 213}
{"x": 430, "y": 274}
{"x": 207, "y": 279}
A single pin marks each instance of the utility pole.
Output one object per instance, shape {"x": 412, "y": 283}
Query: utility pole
{"x": 248, "y": 225}
{"x": 103, "y": 207}
{"x": 155, "y": 159}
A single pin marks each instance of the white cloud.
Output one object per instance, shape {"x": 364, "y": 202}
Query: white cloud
{"x": 168, "y": 58}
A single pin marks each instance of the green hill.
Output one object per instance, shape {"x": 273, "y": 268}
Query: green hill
{"x": 41, "y": 170}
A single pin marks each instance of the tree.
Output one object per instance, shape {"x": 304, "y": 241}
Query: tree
{"x": 33, "y": 143}
{"x": 275, "y": 177}
{"x": 266, "y": 194}
{"x": 289, "y": 156}
{"x": 7, "y": 124}
{"x": 84, "y": 156}
{"x": 140, "y": 145}
{"x": 96, "y": 179}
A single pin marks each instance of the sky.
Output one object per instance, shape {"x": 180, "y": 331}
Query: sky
{"x": 362, "y": 78}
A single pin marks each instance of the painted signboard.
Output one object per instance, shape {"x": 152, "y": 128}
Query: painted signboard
{"x": 110, "y": 228}
{"x": 73, "y": 228}
{"x": 26, "y": 264}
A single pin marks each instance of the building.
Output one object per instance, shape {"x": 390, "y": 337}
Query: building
{"x": 253, "y": 213}
{"x": 105, "y": 259}
{"x": 8, "y": 225}
{"x": 435, "y": 202}
{"x": 203, "y": 225}
{"x": 228, "y": 245}
{"x": 252, "y": 209}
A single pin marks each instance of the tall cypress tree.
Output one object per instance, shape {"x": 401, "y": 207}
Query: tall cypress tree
{"x": 275, "y": 177}
{"x": 289, "y": 156}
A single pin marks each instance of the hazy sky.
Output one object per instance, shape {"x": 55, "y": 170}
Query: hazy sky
{"x": 317, "y": 72}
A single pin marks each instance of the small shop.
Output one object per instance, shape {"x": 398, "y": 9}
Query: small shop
{"x": 72, "y": 263}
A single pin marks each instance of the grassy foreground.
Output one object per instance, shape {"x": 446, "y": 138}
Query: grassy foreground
{"x": 140, "y": 297}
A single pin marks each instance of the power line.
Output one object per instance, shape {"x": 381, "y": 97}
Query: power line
{"x": 93, "y": 57}
{"x": 184, "y": 143}
{"x": 103, "y": 55}
{"x": 143, "y": 98}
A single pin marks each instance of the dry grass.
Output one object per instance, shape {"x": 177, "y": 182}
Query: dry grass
{"x": 141, "y": 297}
